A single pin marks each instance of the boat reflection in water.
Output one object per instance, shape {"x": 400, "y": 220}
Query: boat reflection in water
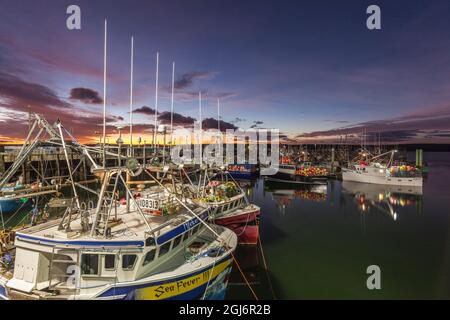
{"x": 384, "y": 198}
{"x": 250, "y": 265}
{"x": 284, "y": 196}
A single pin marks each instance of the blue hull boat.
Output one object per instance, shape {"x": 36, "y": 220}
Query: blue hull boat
{"x": 243, "y": 171}
{"x": 8, "y": 205}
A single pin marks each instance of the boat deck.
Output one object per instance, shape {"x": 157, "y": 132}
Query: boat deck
{"x": 128, "y": 226}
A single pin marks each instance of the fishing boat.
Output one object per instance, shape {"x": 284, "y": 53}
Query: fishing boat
{"x": 243, "y": 171}
{"x": 9, "y": 202}
{"x": 229, "y": 204}
{"x": 289, "y": 174}
{"x": 230, "y": 208}
{"x": 115, "y": 251}
{"x": 375, "y": 170}
{"x": 226, "y": 201}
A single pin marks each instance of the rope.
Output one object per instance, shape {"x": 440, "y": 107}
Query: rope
{"x": 245, "y": 227}
{"x": 266, "y": 269}
{"x": 244, "y": 277}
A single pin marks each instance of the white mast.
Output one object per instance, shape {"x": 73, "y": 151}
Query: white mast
{"x": 131, "y": 97}
{"x": 171, "y": 105}
{"x": 104, "y": 94}
{"x": 218, "y": 115}
{"x": 201, "y": 125}
{"x": 219, "y": 134}
{"x": 156, "y": 101}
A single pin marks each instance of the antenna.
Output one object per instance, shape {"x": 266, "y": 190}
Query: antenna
{"x": 131, "y": 97}
{"x": 104, "y": 94}
{"x": 156, "y": 100}
{"x": 171, "y": 105}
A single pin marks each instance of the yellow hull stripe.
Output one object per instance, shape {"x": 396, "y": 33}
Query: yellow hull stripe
{"x": 171, "y": 289}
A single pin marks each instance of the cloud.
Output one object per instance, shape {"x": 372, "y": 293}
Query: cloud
{"x": 85, "y": 95}
{"x": 211, "y": 123}
{"x": 178, "y": 119}
{"x": 256, "y": 124}
{"x": 237, "y": 120}
{"x": 186, "y": 80}
{"x": 52, "y": 55}
{"x": 18, "y": 97}
{"x": 338, "y": 121}
{"x": 14, "y": 89}
{"x": 145, "y": 110}
{"x": 423, "y": 124}
{"x": 225, "y": 95}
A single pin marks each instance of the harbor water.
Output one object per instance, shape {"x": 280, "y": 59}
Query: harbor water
{"x": 318, "y": 244}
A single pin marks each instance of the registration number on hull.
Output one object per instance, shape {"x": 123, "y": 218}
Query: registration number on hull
{"x": 150, "y": 204}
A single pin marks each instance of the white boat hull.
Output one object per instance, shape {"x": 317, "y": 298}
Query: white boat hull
{"x": 370, "y": 177}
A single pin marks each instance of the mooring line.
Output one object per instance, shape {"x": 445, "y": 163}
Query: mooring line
{"x": 266, "y": 269}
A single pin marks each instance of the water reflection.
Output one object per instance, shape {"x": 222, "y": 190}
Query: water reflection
{"x": 320, "y": 248}
{"x": 386, "y": 199}
{"x": 284, "y": 197}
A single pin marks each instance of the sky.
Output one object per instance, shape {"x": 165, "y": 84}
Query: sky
{"x": 311, "y": 69}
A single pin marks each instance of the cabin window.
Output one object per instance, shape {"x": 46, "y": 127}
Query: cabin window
{"x": 89, "y": 264}
{"x": 185, "y": 236}
{"x": 176, "y": 242}
{"x": 149, "y": 257}
{"x": 128, "y": 261}
{"x": 194, "y": 231}
{"x": 110, "y": 262}
{"x": 164, "y": 249}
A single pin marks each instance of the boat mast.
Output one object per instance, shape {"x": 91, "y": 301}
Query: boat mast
{"x": 156, "y": 102}
{"x": 131, "y": 97}
{"x": 201, "y": 125}
{"x": 171, "y": 104}
{"x": 218, "y": 115}
{"x": 104, "y": 93}
{"x": 219, "y": 133}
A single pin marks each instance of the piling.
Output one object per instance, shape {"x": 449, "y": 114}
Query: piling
{"x": 332, "y": 159}
{"x": 2, "y": 163}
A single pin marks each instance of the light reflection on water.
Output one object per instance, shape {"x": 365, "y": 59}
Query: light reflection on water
{"x": 319, "y": 243}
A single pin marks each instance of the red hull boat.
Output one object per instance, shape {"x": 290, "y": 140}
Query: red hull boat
{"x": 244, "y": 222}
